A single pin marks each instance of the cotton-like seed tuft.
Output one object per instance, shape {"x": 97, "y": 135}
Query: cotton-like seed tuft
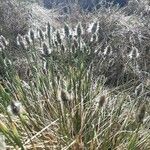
{"x": 15, "y": 108}
{"x": 19, "y": 39}
{"x": 28, "y": 41}
{"x": 46, "y": 50}
{"x": 139, "y": 89}
{"x": 56, "y": 43}
{"x": 41, "y": 34}
{"x": 75, "y": 43}
{"x": 2, "y": 47}
{"x": 94, "y": 27}
{"x": 141, "y": 113}
{"x": 94, "y": 38}
{"x": 64, "y": 96}
{"x": 32, "y": 35}
{"x": 102, "y": 100}
{"x": 62, "y": 48}
{"x": 107, "y": 51}
{"x": 20, "y": 42}
{"x": 4, "y": 41}
{"x": 66, "y": 30}
{"x": 58, "y": 37}
{"x": 134, "y": 53}
{"x": 48, "y": 28}
{"x": 79, "y": 30}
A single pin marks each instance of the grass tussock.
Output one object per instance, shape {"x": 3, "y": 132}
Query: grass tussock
{"x": 80, "y": 87}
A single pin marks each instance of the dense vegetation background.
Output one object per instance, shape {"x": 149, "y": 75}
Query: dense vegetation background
{"x": 75, "y": 76}
{"x": 85, "y": 4}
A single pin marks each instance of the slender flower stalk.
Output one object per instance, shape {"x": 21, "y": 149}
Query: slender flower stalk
{"x": 49, "y": 33}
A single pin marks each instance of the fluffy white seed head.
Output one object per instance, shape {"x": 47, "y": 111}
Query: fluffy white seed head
{"x": 15, "y": 108}
{"x": 134, "y": 53}
{"x": 79, "y": 30}
{"x": 4, "y": 41}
